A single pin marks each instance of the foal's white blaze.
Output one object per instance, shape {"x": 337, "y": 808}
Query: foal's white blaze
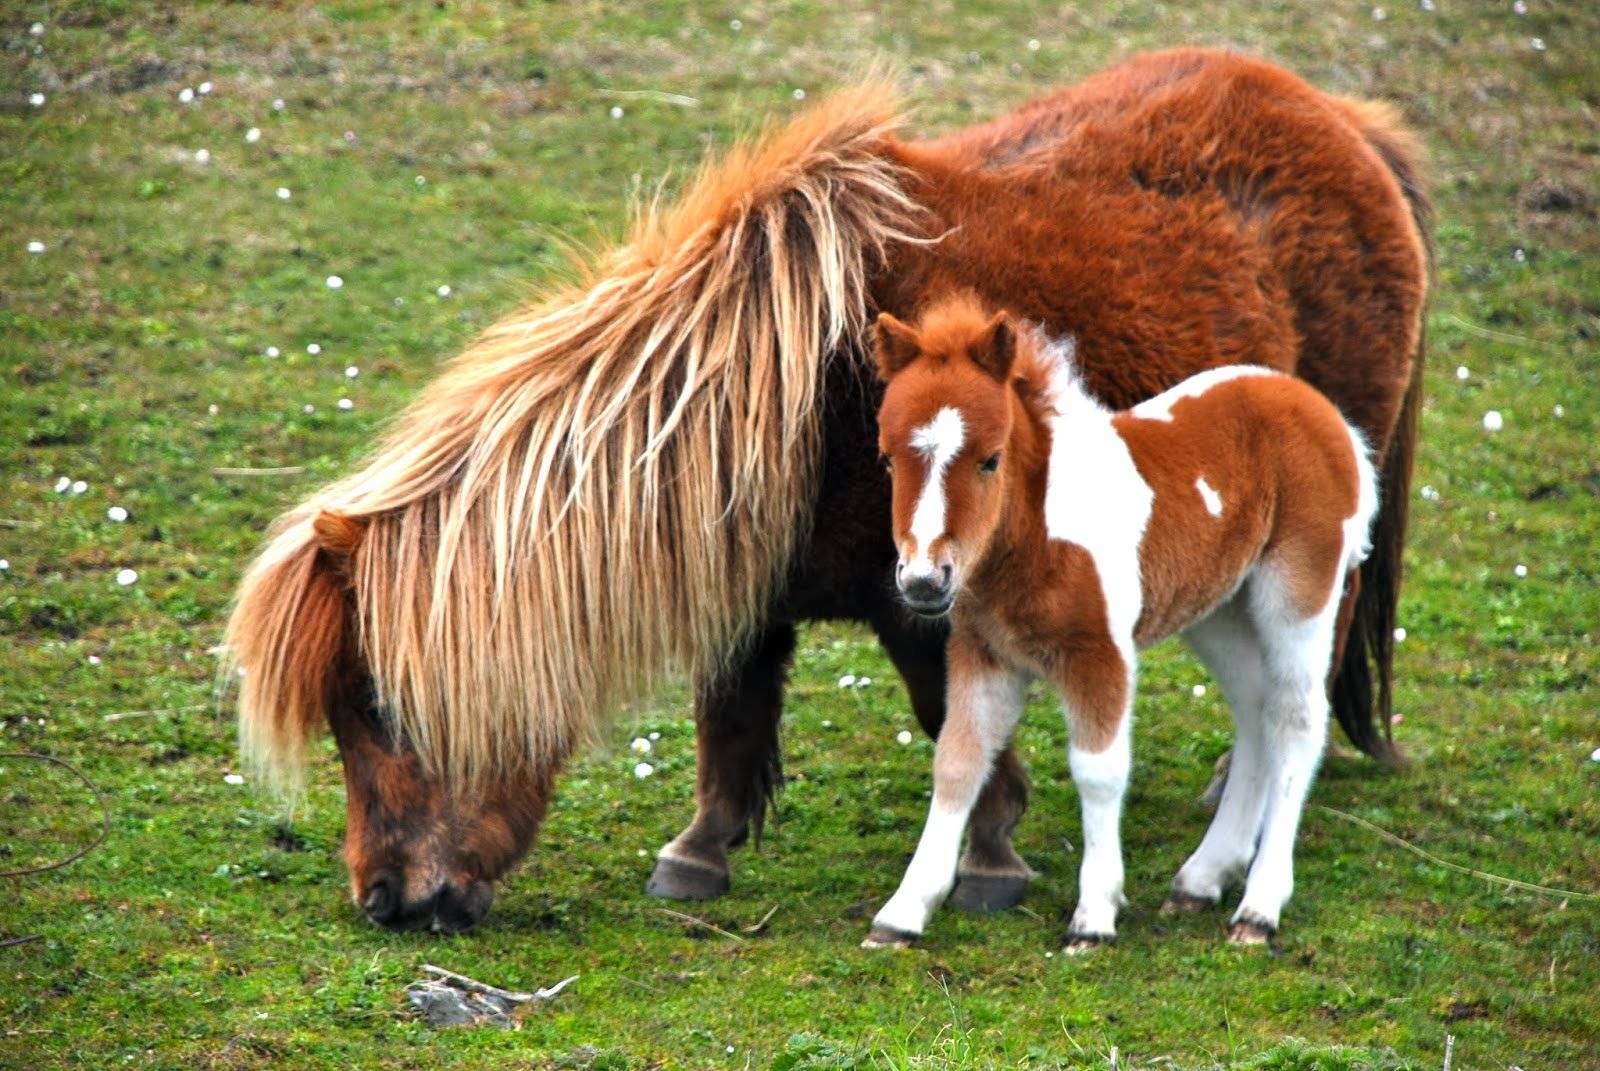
{"x": 1160, "y": 407}
{"x": 939, "y": 441}
{"x": 1209, "y": 496}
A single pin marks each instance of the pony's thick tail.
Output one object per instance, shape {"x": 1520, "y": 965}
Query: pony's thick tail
{"x": 1363, "y": 688}
{"x": 291, "y": 634}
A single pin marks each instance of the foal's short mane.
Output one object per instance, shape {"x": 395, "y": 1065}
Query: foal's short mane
{"x": 602, "y": 490}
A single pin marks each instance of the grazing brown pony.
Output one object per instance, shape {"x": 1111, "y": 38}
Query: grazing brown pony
{"x": 662, "y": 469}
{"x": 1061, "y": 538}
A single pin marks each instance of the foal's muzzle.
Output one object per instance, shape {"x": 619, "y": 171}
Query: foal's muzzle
{"x": 450, "y": 908}
{"x": 927, "y": 594}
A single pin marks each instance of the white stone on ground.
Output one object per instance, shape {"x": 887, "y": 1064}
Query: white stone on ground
{"x": 1521, "y": 571}
{"x": 79, "y": 486}
{"x": 1461, "y": 371}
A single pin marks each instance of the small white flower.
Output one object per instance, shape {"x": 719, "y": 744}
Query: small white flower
{"x": 36, "y": 246}
{"x": 252, "y": 135}
{"x": 212, "y": 409}
{"x": 1378, "y": 14}
{"x": 1426, "y": 5}
{"x": 272, "y": 351}
{"x": 903, "y": 736}
{"x": 309, "y": 408}
{"x": 735, "y": 25}
{"x": 1400, "y": 634}
{"x": 233, "y": 779}
{"x": 283, "y": 193}
{"x": 1559, "y": 411}
{"x": 277, "y": 105}
{"x": 1198, "y": 691}
{"x": 643, "y": 770}
{"x": 63, "y": 484}
{"x": 205, "y": 88}
{"x": 616, "y": 111}
{"x": 827, "y": 723}
{"x": 351, "y": 372}
{"x": 421, "y": 180}
{"x": 640, "y": 745}
{"x": 1493, "y": 421}
{"x": 1430, "y": 493}
{"x": 1594, "y": 756}
{"x": 1538, "y": 44}
{"x": 346, "y": 403}
{"x": 79, "y": 486}
{"x": 335, "y": 282}
{"x": 655, "y": 736}
{"x": 117, "y": 513}
{"x": 1462, "y": 372}
{"x": 444, "y": 290}
{"x": 36, "y": 99}
{"x": 847, "y": 681}
{"x": 729, "y": 1050}
{"x": 1519, "y": 255}
{"x": 202, "y": 156}
{"x": 126, "y": 577}
{"x": 94, "y": 660}
{"x": 1519, "y": 8}
{"x": 37, "y": 29}
{"x": 314, "y": 348}
{"x": 1521, "y": 571}
{"x": 4, "y": 565}
{"x": 1033, "y": 44}
{"x": 863, "y": 682}
{"x": 799, "y": 94}
{"x": 185, "y": 95}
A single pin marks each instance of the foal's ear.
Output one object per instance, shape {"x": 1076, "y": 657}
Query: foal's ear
{"x": 897, "y": 346}
{"x": 995, "y": 348}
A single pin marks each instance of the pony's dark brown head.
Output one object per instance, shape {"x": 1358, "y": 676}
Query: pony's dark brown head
{"x": 946, "y": 417}
{"x": 420, "y": 855}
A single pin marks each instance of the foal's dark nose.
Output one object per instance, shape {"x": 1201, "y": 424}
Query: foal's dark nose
{"x": 926, "y": 593}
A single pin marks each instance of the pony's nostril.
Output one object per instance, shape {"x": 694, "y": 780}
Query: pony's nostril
{"x": 382, "y": 902}
{"x": 945, "y": 569}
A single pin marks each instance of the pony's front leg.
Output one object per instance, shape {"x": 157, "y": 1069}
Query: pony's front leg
{"x": 1097, "y": 691}
{"x": 985, "y": 702}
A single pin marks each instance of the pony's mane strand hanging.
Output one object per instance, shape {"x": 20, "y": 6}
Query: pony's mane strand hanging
{"x": 602, "y": 490}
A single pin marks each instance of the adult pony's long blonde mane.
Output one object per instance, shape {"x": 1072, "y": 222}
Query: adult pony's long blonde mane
{"x": 604, "y": 489}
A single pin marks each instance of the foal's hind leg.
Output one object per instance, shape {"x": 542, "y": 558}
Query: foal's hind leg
{"x": 736, "y": 739}
{"x": 1227, "y": 643}
{"x": 1294, "y": 730}
{"x": 991, "y": 875}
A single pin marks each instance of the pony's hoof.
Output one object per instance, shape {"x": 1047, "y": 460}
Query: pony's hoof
{"x": 1251, "y": 930}
{"x": 889, "y": 937}
{"x": 1080, "y": 944}
{"x": 989, "y": 892}
{"x": 675, "y": 879}
{"x": 1178, "y": 903}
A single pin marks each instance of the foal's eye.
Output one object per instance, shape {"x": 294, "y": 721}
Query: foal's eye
{"x": 990, "y": 463}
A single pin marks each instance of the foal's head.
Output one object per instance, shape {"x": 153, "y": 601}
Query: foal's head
{"x": 946, "y": 418}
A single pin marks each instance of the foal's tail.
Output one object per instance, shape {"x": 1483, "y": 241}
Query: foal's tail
{"x": 292, "y": 626}
{"x": 1363, "y": 686}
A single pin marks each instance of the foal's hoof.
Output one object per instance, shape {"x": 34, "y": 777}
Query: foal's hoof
{"x": 1178, "y": 903}
{"x": 989, "y": 892}
{"x": 675, "y": 879}
{"x": 1080, "y": 944}
{"x": 889, "y": 937}
{"x": 1251, "y": 930}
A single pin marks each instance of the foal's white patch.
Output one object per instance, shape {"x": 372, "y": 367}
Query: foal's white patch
{"x": 1160, "y": 407}
{"x": 1094, "y": 495}
{"x": 1209, "y": 496}
{"x": 939, "y": 441}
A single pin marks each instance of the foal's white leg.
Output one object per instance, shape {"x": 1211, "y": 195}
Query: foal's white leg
{"x": 985, "y": 700}
{"x": 1227, "y": 643}
{"x": 1097, "y": 693}
{"x": 1294, "y": 731}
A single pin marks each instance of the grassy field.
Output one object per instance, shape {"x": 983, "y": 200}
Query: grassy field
{"x": 467, "y": 145}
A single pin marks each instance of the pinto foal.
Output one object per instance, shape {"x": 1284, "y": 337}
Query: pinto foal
{"x": 1063, "y": 537}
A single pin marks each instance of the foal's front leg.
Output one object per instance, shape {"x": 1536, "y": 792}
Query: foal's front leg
{"x": 985, "y": 700}
{"x": 1097, "y": 691}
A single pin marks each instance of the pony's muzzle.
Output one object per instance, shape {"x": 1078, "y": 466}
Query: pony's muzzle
{"x": 450, "y": 909}
{"x": 927, "y": 589}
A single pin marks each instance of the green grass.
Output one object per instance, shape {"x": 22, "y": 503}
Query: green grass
{"x": 132, "y": 357}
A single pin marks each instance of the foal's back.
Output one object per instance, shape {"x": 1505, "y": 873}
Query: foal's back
{"x": 1249, "y": 470}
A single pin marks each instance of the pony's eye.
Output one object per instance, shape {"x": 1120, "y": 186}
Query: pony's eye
{"x": 990, "y": 463}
